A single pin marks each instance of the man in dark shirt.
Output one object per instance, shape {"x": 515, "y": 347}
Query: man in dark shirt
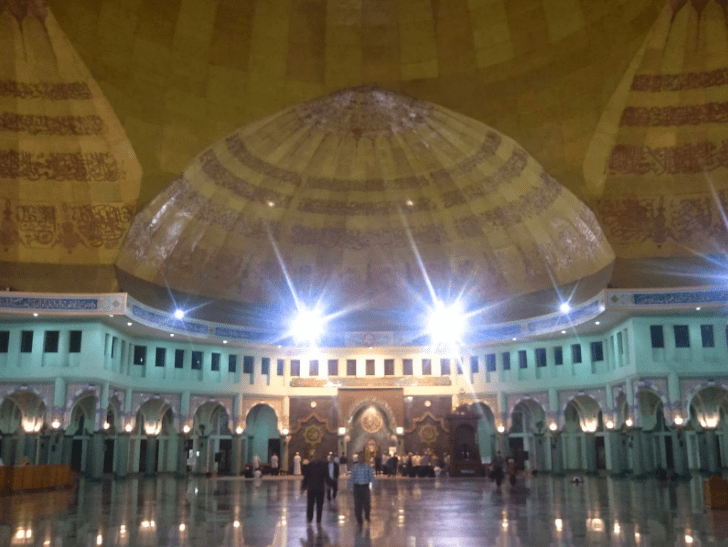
{"x": 314, "y": 482}
{"x": 332, "y": 478}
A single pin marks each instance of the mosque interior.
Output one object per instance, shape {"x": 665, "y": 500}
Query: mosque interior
{"x": 233, "y": 229}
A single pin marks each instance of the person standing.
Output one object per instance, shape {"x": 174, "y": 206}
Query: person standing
{"x": 498, "y": 462}
{"x": 314, "y": 482}
{"x": 274, "y": 464}
{"x": 360, "y": 479}
{"x": 332, "y": 479}
{"x": 378, "y": 463}
{"x": 343, "y": 461}
{"x": 256, "y": 463}
{"x": 297, "y": 464}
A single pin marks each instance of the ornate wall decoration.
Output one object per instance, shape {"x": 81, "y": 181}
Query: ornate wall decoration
{"x": 371, "y": 420}
{"x": 428, "y": 433}
{"x": 71, "y": 181}
{"x": 313, "y": 434}
{"x": 655, "y": 160}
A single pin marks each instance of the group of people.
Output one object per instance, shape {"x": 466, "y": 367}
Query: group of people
{"x": 321, "y": 480}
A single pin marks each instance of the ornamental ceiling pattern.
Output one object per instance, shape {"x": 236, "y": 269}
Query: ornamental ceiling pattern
{"x": 69, "y": 179}
{"x": 659, "y": 158}
{"x": 343, "y": 189}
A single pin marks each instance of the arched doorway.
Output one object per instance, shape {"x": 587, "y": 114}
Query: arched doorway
{"x": 707, "y": 410}
{"x": 212, "y": 423}
{"x": 80, "y": 427}
{"x": 370, "y": 430}
{"x": 583, "y": 416}
{"x": 261, "y": 433}
{"x": 153, "y": 439}
{"x": 657, "y": 452}
{"x": 528, "y": 420}
{"x": 22, "y": 416}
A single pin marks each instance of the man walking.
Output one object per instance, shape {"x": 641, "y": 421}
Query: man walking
{"x": 360, "y": 478}
{"x": 314, "y": 481}
{"x": 332, "y": 479}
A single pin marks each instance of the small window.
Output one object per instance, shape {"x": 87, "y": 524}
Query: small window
{"x": 620, "y": 344}
{"x": 576, "y": 353}
{"x": 179, "y": 358}
{"x": 658, "y": 336}
{"x": 506, "y": 360}
{"x": 490, "y": 362}
{"x": 265, "y": 366}
{"x": 159, "y": 357}
{"x": 597, "y": 351}
{"x": 706, "y": 333}
{"x": 122, "y": 357}
{"x": 313, "y": 367}
{"x": 215, "y": 362}
{"x": 333, "y": 367}
{"x": 50, "y": 342}
{"x": 558, "y": 355}
{"x": 26, "y": 341}
{"x": 389, "y": 367}
{"x": 140, "y": 355}
{"x": 474, "y": 364}
{"x": 196, "y": 360}
{"x": 4, "y": 341}
{"x": 280, "y": 366}
{"x": 682, "y": 336}
{"x": 407, "y": 368}
{"x": 74, "y": 342}
{"x": 522, "y": 359}
{"x": 351, "y": 367}
{"x": 248, "y": 363}
{"x": 295, "y": 367}
{"x": 540, "y": 357}
{"x": 426, "y": 366}
{"x": 232, "y": 363}
{"x": 114, "y": 341}
{"x": 445, "y": 367}
{"x": 370, "y": 367}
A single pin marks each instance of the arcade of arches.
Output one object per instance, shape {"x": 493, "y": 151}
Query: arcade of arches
{"x": 98, "y": 434}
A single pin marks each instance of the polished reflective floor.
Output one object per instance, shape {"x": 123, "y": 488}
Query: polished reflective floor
{"x": 537, "y": 511}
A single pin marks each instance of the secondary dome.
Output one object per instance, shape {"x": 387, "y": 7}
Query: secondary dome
{"x": 360, "y": 199}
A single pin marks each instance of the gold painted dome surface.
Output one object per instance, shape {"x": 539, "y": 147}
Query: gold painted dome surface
{"x": 348, "y": 196}
{"x": 69, "y": 179}
{"x": 659, "y": 158}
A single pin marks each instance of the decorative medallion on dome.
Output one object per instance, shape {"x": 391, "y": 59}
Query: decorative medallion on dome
{"x": 371, "y": 420}
{"x": 369, "y": 196}
{"x": 69, "y": 177}
{"x": 658, "y": 160}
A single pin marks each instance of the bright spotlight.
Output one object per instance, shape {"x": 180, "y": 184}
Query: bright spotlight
{"x": 308, "y": 326}
{"x": 447, "y": 324}
{"x": 565, "y": 307}
{"x": 179, "y": 314}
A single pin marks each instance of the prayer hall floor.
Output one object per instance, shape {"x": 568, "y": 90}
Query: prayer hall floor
{"x": 211, "y": 512}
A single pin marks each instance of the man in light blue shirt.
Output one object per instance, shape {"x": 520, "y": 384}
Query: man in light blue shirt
{"x": 360, "y": 479}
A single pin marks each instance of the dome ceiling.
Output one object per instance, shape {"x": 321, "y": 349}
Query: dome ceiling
{"x": 69, "y": 179}
{"x": 358, "y": 198}
{"x": 659, "y": 158}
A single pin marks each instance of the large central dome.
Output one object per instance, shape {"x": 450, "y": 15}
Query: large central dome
{"x": 363, "y": 199}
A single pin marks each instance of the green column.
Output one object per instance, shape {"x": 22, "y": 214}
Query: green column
{"x": 96, "y": 456}
{"x": 590, "y": 445}
{"x": 121, "y": 456}
{"x": 201, "y": 465}
{"x": 680, "y": 453}
{"x": 236, "y": 455}
{"x": 711, "y": 452}
{"x": 557, "y": 457}
{"x": 151, "y": 456}
{"x": 181, "y": 471}
{"x": 638, "y": 469}
{"x": 618, "y": 453}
